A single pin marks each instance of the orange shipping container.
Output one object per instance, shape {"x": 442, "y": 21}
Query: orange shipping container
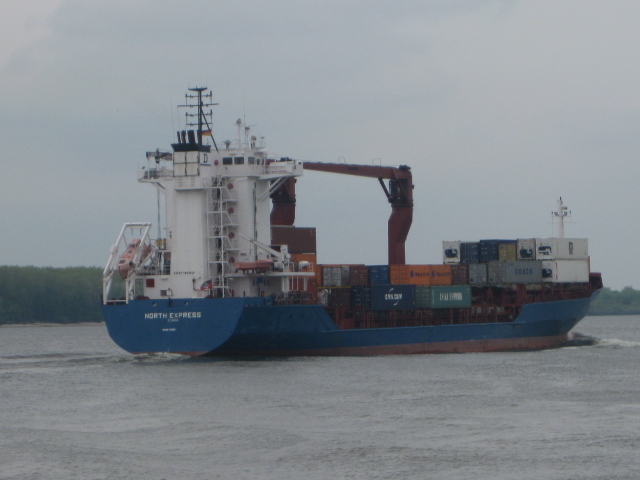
{"x": 398, "y": 274}
{"x": 420, "y": 274}
{"x": 440, "y": 274}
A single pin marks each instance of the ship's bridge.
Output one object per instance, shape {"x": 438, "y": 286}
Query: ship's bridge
{"x": 250, "y": 163}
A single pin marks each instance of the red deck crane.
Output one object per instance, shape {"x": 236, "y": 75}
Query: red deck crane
{"x": 399, "y": 194}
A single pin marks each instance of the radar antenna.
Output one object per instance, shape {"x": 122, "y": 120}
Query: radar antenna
{"x": 204, "y": 118}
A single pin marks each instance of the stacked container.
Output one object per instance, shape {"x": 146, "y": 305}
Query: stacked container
{"x": 420, "y": 274}
{"x": 443, "y": 297}
{"x": 477, "y": 274}
{"x": 469, "y": 252}
{"x": 565, "y": 271}
{"x": 359, "y": 275}
{"x": 393, "y": 297}
{"x": 519, "y": 271}
{"x": 562, "y": 249}
{"x": 451, "y": 252}
{"x": 379, "y": 275}
{"x": 489, "y": 250}
{"x": 459, "y": 274}
{"x": 361, "y": 296}
{"x": 526, "y": 248}
{"x": 335, "y": 275}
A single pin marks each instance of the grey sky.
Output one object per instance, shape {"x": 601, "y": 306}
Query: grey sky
{"x": 499, "y": 107}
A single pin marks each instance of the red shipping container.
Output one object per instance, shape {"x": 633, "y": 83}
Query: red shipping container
{"x": 359, "y": 275}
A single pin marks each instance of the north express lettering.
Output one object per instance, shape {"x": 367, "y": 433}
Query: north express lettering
{"x": 171, "y": 315}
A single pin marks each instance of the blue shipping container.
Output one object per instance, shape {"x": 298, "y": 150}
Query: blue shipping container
{"x": 490, "y": 250}
{"x": 469, "y": 252}
{"x": 379, "y": 275}
{"x": 393, "y": 297}
{"x": 361, "y": 295}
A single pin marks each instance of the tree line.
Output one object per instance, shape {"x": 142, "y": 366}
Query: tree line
{"x": 613, "y": 302}
{"x": 73, "y": 294}
{"x": 50, "y": 295}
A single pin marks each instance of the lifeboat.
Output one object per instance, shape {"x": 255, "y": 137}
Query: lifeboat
{"x": 126, "y": 259}
{"x": 257, "y": 266}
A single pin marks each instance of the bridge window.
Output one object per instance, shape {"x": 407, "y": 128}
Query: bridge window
{"x": 251, "y": 160}
{"x": 238, "y": 160}
{"x": 227, "y": 161}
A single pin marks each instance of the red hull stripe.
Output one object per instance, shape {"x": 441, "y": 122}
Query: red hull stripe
{"x": 471, "y": 346}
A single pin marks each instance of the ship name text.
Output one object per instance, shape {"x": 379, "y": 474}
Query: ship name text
{"x": 172, "y": 315}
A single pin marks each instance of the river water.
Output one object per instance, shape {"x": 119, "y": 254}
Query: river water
{"x": 74, "y": 406}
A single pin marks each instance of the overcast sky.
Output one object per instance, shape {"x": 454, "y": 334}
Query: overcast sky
{"x": 499, "y": 107}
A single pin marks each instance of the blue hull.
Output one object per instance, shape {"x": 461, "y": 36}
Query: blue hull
{"x": 253, "y": 326}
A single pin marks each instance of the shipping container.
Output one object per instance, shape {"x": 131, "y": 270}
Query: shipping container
{"x": 420, "y": 274}
{"x": 519, "y": 271}
{"x": 339, "y": 296}
{"x": 358, "y": 275}
{"x": 526, "y": 249}
{"x": 393, "y": 297}
{"x": 451, "y": 251}
{"x": 458, "y": 296}
{"x": 565, "y": 271}
{"x": 562, "y": 248}
{"x": 361, "y": 296}
{"x": 335, "y": 276}
{"x": 379, "y": 275}
{"x": 423, "y": 296}
{"x": 524, "y": 271}
{"x": 507, "y": 252}
{"x": 489, "y": 250}
{"x": 460, "y": 274}
{"x": 469, "y": 252}
{"x": 440, "y": 274}
{"x": 477, "y": 273}
{"x": 399, "y": 274}
{"x": 496, "y": 273}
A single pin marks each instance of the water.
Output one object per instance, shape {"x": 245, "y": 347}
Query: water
{"x": 74, "y": 406}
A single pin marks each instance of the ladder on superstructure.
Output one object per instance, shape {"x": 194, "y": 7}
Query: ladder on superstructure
{"x": 222, "y": 239}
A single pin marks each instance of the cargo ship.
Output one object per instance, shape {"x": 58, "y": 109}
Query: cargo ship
{"x": 225, "y": 270}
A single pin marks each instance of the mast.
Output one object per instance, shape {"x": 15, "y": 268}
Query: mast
{"x": 203, "y": 118}
{"x": 560, "y": 214}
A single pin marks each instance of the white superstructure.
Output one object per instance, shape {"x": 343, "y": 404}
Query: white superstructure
{"x": 216, "y": 236}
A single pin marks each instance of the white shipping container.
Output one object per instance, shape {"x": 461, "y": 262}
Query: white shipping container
{"x": 477, "y": 273}
{"x": 565, "y": 271}
{"x": 496, "y": 273}
{"x": 562, "y": 248}
{"x": 451, "y": 251}
{"x": 526, "y": 249}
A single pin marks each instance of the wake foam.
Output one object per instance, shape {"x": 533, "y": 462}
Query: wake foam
{"x": 580, "y": 340}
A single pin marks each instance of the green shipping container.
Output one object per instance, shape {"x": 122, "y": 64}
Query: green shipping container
{"x": 423, "y": 296}
{"x": 455, "y": 296}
